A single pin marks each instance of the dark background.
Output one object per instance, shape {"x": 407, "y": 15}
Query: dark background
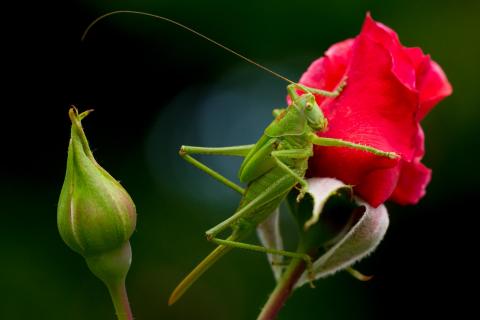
{"x": 155, "y": 87}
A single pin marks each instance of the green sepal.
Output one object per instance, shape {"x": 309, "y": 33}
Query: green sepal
{"x": 335, "y": 228}
{"x": 269, "y": 234}
{"x": 348, "y": 230}
{"x": 111, "y": 266}
{"x": 322, "y": 213}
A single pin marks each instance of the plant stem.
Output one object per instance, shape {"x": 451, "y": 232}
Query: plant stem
{"x": 283, "y": 289}
{"x": 118, "y": 292}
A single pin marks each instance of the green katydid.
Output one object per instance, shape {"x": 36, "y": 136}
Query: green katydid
{"x": 271, "y": 168}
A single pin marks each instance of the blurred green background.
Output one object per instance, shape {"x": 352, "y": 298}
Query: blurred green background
{"x": 155, "y": 87}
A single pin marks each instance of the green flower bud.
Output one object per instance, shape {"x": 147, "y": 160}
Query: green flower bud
{"x": 95, "y": 213}
{"x": 96, "y": 217}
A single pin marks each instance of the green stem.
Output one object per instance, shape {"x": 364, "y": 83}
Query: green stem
{"x": 112, "y": 268}
{"x": 119, "y": 296}
{"x": 283, "y": 289}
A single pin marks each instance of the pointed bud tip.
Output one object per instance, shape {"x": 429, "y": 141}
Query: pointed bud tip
{"x": 74, "y": 114}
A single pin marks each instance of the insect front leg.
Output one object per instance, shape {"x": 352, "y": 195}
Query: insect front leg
{"x": 330, "y": 142}
{"x": 331, "y": 94}
{"x": 293, "y": 154}
{"x": 240, "y": 151}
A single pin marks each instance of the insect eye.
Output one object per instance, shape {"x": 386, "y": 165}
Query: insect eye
{"x": 309, "y": 106}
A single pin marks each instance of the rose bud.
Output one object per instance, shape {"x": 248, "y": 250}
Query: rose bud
{"x": 96, "y": 216}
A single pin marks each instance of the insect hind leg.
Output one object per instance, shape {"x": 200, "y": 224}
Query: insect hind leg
{"x": 277, "y": 189}
{"x": 246, "y": 246}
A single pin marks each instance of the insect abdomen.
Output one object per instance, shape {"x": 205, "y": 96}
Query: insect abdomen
{"x": 276, "y": 183}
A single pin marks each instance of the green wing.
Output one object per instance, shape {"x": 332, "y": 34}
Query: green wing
{"x": 258, "y": 161}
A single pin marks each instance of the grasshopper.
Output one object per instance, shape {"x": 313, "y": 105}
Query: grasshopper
{"x": 271, "y": 168}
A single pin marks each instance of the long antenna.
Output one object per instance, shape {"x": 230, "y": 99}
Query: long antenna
{"x": 188, "y": 29}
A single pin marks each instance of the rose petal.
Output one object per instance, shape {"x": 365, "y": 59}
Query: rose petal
{"x": 326, "y": 72}
{"x": 432, "y": 83}
{"x": 433, "y": 87}
{"x": 411, "y": 186}
{"x": 420, "y": 143}
{"x": 375, "y": 109}
{"x": 401, "y": 64}
{"x": 413, "y": 176}
{"x": 378, "y": 185}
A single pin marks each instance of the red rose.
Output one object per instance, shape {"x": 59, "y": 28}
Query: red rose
{"x": 390, "y": 89}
